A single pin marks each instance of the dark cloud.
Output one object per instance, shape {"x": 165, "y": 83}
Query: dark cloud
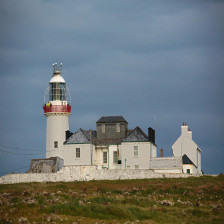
{"x": 132, "y": 58}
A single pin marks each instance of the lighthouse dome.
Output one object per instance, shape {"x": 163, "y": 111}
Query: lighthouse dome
{"x": 57, "y": 78}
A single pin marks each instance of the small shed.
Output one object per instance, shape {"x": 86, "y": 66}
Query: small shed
{"x": 49, "y": 165}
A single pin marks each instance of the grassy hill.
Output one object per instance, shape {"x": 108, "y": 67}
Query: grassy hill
{"x": 190, "y": 200}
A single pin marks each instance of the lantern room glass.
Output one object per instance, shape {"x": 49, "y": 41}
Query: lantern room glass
{"x": 57, "y": 91}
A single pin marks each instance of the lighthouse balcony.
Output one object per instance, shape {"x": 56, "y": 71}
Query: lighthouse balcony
{"x": 57, "y": 108}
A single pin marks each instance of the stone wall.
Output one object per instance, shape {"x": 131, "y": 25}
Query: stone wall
{"x": 85, "y": 173}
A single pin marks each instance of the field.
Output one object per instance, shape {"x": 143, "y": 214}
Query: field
{"x": 190, "y": 200}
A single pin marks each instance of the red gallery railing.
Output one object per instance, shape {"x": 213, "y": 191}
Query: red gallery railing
{"x": 57, "y": 108}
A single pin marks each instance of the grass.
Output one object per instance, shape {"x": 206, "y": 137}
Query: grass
{"x": 190, "y": 200}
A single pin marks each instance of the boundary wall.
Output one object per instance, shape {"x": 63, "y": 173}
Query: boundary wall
{"x": 87, "y": 173}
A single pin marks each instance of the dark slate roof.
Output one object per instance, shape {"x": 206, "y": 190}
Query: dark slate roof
{"x": 136, "y": 135}
{"x": 81, "y": 136}
{"x": 186, "y": 160}
{"x": 108, "y": 141}
{"x": 111, "y": 119}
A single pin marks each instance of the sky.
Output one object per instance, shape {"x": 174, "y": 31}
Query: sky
{"x": 156, "y": 63}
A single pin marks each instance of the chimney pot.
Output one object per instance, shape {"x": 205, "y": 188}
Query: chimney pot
{"x": 161, "y": 152}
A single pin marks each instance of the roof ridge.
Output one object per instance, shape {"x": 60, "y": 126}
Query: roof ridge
{"x": 137, "y": 129}
{"x": 84, "y": 132}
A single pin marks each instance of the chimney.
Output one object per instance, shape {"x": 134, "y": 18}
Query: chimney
{"x": 161, "y": 152}
{"x": 90, "y": 134}
{"x": 184, "y": 130}
{"x": 151, "y": 135}
{"x": 68, "y": 134}
{"x": 189, "y": 133}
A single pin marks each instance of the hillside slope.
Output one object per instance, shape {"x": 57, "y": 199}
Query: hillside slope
{"x": 187, "y": 200}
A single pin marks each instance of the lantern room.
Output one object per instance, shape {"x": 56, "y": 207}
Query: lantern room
{"x": 57, "y": 88}
{"x": 57, "y": 96}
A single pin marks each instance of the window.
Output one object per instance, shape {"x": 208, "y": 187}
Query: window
{"x": 118, "y": 127}
{"x": 128, "y": 167}
{"x": 57, "y": 91}
{"x": 135, "y": 150}
{"x": 136, "y": 167}
{"x": 103, "y": 128}
{"x": 115, "y": 157}
{"x": 77, "y": 152}
{"x": 55, "y": 144}
{"x": 104, "y": 157}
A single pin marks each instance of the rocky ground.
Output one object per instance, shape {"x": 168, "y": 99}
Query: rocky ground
{"x": 190, "y": 200}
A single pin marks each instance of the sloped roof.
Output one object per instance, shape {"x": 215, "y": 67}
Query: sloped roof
{"x": 136, "y": 135}
{"x": 108, "y": 141}
{"x": 111, "y": 119}
{"x": 81, "y": 136}
{"x": 186, "y": 160}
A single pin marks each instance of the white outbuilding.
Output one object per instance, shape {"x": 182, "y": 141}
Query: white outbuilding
{"x": 186, "y": 148}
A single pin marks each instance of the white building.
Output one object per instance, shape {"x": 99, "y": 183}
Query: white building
{"x": 136, "y": 150}
{"x": 185, "y": 146}
{"x": 112, "y": 145}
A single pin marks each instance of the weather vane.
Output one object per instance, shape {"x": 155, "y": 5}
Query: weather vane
{"x": 57, "y": 69}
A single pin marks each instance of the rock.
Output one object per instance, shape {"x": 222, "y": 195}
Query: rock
{"x": 12, "y": 210}
{"x": 49, "y": 219}
{"x": 81, "y": 202}
{"x": 154, "y": 207}
{"x": 167, "y": 203}
{"x": 22, "y": 220}
{"x": 45, "y": 193}
{"x": 184, "y": 202}
{"x": 217, "y": 208}
{"x": 126, "y": 193}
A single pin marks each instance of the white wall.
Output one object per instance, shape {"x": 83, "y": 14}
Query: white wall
{"x": 85, "y": 173}
{"x": 68, "y": 154}
{"x": 191, "y": 167}
{"x": 127, "y": 153}
{"x": 57, "y": 124}
{"x": 153, "y": 150}
{"x": 112, "y": 149}
{"x": 99, "y": 157}
{"x": 199, "y": 161}
{"x": 185, "y": 145}
{"x": 166, "y": 164}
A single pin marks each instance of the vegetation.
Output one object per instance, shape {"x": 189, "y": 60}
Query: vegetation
{"x": 190, "y": 200}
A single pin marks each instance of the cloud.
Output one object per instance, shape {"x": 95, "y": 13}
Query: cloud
{"x": 132, "y": 58}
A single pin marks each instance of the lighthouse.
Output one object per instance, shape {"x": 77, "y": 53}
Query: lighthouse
{"x": 57, "y": 110}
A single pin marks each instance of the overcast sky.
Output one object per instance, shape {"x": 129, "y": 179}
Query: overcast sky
{"x": 137, "y": 58}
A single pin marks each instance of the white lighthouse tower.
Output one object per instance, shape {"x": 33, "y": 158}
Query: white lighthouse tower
{"x": 57, "y": 110}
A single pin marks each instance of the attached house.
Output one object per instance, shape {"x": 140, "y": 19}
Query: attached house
{"x": 110, "y": 131}
{"x": 188, "y": 165}
{"x": 185, "y": 145}
{"x": 111, "y": 146}
{"x": 79, "y": 148}
{"x": 136, "y": 150}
